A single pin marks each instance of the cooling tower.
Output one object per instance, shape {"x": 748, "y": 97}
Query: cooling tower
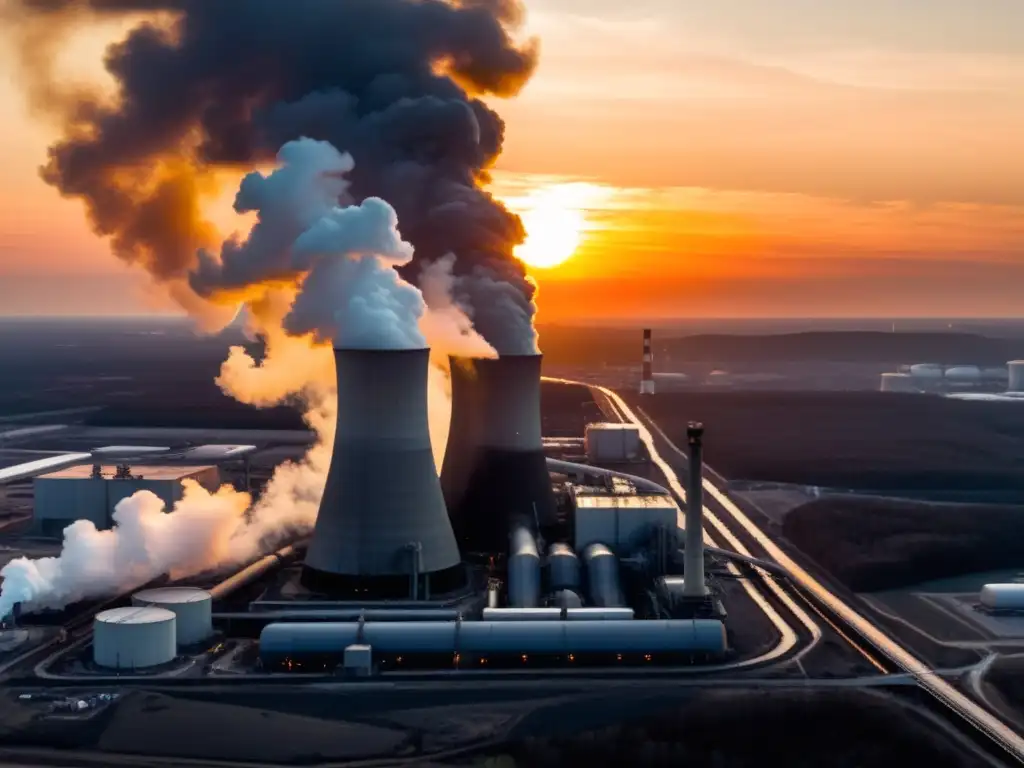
{"x": 382, "y": 516}
{"x": 494, "y": 469}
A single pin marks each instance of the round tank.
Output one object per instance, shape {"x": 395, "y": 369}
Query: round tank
{"x": 523, "y": 569}
{"x": 931, "y": 371}
{"x": 1003, "y": 597}
{"x": 603, "y": 577}
{"x": 134, "y": 638}
{"x": 565, "y": 598}
{"x": 963, "y": 374}
{"x": 898, "y": 382}
{"x": 563, "y": 567}
{"x": 1016, "y": 371}
{"x": 191, "y": 606}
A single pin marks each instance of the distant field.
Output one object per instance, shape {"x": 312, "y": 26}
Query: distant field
{"x": 857, "y": 440}
{"x": 874, "y": 544}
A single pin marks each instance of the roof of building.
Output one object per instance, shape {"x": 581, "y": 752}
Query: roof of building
{"x": 139, "y": 472}
{"x": 32, "y": 468}
{"x": 632, "y": 501}
{"x": 610, "y": 425}
{"x": 214, "y": 452}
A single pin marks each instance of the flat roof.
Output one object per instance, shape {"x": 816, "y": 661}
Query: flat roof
{"x": 126, "y": 450}
{"x": 631, "y": 501}
{"x": 139, "y": 471}
{"x": 214, "y": 452}
{"x": 32, "y": 468}
{"x": 603, "y": 425}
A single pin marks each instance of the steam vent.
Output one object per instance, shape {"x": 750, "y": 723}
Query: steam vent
{"x": 494, "y": 468}
{"x": 382, "y": 517}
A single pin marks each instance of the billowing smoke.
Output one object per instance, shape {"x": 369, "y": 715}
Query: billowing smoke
{"x": 214, "y": 85}
{"x": 318, "y": 274}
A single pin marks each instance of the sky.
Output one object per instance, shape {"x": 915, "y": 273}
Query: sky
{"x": 736, "y": 158}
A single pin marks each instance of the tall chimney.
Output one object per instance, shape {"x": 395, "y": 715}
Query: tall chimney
{"x": 495, "y": 471}
{"x": 382, "y": 518}
{"x": 693, "y": 553}
{"x": 647, "y": 375}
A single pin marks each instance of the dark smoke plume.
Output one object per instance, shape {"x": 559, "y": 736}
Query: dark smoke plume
{"x": 225, "y": 83}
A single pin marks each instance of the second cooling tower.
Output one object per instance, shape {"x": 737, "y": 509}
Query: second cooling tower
{"x": 382, "y": 516}
{"x": 494, "y": 468}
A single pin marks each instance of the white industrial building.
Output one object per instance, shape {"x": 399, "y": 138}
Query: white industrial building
{"x": 192, "y": 607}
{"x": 91, "y": 492}
{"x": 621, "y": 521}
{"x": 898, "y": 382}
{"x": 612, "y": 442}
{"x": 134, "y": 638}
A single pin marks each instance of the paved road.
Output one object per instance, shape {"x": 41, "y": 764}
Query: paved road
{"x": 878, "y": 640}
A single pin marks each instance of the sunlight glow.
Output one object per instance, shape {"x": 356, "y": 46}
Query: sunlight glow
{"x": 555, "y": 221}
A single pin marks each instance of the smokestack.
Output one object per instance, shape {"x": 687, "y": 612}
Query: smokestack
{"x": 494, "y": 470}
{"x": 382, "y": 516}
{"x": 693, "y": 554}
{"x": 647, "y": 375}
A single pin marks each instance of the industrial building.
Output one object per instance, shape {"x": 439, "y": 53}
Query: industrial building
{"x": 612, "y": 443}
{"x": 91, "y": 492}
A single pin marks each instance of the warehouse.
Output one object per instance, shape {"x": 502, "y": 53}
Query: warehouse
{"x": 91, "y": 492}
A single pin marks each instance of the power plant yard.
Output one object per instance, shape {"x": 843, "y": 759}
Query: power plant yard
{"x": 571, "y": 566}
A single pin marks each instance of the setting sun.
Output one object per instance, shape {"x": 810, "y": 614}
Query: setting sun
{"x": 554, "y": 219}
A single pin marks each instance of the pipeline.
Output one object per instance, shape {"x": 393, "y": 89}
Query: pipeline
{"x": 570, "y": 468}
{"x": 252, "y": 572}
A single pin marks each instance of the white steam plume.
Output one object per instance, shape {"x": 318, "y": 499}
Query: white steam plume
{"x": 313, "y": 274}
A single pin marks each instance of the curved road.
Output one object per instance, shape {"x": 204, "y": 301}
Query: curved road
{"x": 882, "y": 643}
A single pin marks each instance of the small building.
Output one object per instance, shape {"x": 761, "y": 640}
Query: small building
{"x": 621, "y": 521}
{"x": 91, "y": 492}
{"x": 612, "y": 442}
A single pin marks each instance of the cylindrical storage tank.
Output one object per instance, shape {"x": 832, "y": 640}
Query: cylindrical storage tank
{"x": 565, "y": 598}
{"x": 522, "y": 614}
{"x": 523, "y": 569}
{"x": 191, "y": 606}
{"x": 563, "y": 567}
{"x": 134, "y": 638}
{"x": 963, "y": 374}
{"x": 898, "y": 382}
{"x": 603, "y": 577}
{"x": 1003, "y": 597}
{"x": 926, "y": 371}
{"x": 557, "y": 637}
{"x": 1016, "y": 370}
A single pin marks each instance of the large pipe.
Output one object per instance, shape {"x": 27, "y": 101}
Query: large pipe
{"x": 603, "y": 577}
{"x": 382, "y": 490}
{"x": 693, "y": 556}
{"x": 523, "y": 569}
{"x": 494, "y": 470}
{"x": 251, "y": 572}
{"x": 563, "y": 567}
{"x": 278, "y": 641}
{"x": 642, "y": 484}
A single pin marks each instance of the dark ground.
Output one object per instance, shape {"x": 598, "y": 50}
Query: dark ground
{"x": 868, "y": 441}
{"x": 694, "y": 727}
{"x": 876, "y": 543}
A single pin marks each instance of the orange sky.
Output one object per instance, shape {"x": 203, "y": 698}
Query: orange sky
{"x": 864, "y": 160}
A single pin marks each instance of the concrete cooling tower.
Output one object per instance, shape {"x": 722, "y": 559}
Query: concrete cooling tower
{"x": 382, "y": 516}
{"x": 494, "y": 469}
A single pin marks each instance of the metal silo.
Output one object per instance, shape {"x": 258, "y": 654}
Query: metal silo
{"x": 191, "y": 606}
{"x": 134, "y": 638}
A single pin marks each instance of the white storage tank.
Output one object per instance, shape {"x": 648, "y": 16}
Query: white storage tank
{"x": 192, "y": 607}
{"x": 898, "y": 382}
{"x": 963, "y": 374}
{"x": 1003, "y": 597}
{"x": 612, "y": 442}
{"x": 137, "y": 637}
{"x": 926, "y": 371}
{"x": 1016, "y": 370}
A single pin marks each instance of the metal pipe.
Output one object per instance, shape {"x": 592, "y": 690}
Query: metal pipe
{"x": 486, "y": 637}
{"x": 523, "y": 569}
{"x": 349, "y": 614}
{"x": 693, "y": 556}
{"x": 640, "y": 483}
{"x": 251, "y": 572}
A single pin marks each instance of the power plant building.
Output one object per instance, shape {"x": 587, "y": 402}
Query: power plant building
{"x": 612, "y": 442}
{"x": 621, "y": 521}
{"x": 91, "y": 492}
